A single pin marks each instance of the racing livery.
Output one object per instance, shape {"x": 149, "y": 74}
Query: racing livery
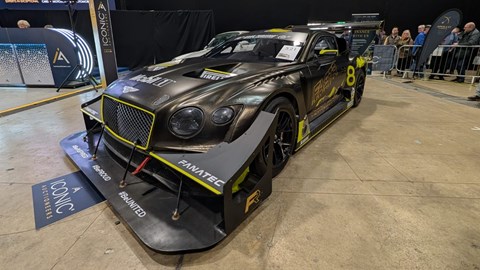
{"x": 186, "y": 150}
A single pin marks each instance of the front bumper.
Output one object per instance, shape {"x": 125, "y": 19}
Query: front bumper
{"x": 147, "y": 207}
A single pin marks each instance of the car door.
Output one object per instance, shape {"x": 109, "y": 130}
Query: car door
{"x": 323, "y": 77}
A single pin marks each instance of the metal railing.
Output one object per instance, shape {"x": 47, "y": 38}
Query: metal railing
{"x": 452, "y": 60}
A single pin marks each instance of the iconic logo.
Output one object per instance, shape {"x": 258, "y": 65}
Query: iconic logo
{"x": 446, "y": 20}
{"x": 129, "y": 89}
{"x": 59, "y": 56}
{"x": 253, "y": 198}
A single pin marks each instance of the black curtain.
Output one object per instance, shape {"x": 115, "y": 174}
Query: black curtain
{"x": 141, "y": 37}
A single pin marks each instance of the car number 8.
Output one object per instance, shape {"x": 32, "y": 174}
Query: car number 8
{"x": 351, "y": 76}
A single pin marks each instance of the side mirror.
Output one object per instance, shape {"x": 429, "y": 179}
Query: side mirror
{"x": 328, "y": 52}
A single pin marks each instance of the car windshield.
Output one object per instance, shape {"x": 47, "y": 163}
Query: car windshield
{"x": 262, "y": 48}
{"x": 220, "y": 38}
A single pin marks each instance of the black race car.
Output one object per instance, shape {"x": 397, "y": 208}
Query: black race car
{"x": 185, "y": 151}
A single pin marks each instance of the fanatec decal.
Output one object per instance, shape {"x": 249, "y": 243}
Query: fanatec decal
{"x": 201, "y": 173}
{"x": 129, "y": 89}
{"x": 133, "y": 205}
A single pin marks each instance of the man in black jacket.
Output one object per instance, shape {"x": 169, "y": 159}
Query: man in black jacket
{"x": 470, "y": 37}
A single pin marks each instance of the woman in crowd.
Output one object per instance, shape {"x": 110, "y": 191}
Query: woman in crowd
{"x": 404, "y": 57}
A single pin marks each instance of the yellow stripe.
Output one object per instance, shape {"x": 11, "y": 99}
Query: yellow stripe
{"x": 118, "y": 136}
{"x": 180, "y": 170}
{"x": 218, "y": 71}
{"x": 328, "y": 51}
{"x": 91, "y": 115}
{"x": 314, "y": 135}
{"x": 25, "y": 106}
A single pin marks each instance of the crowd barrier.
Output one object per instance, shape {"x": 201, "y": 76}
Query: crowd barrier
{"x": 462, "y": 62}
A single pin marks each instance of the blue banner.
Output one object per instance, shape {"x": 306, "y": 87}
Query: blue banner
{"x": 61, "y": 197}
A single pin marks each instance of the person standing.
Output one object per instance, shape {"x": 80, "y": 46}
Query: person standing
{"x": 23, "y": 24}
{"x": 393, "y": 38}
{"x": 404, "y": 57}
{"x": 476, "y": 97}
{"x": 470, "y": 37}
{"x": 441, "y": 62}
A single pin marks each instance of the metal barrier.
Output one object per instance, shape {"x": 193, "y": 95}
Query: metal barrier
{"x": 384, "y": 58}
{"x": 460, "y": 61}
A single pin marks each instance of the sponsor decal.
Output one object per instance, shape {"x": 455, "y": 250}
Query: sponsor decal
{"x": 59, "y": 56}
{"x": 129, "y": 89}
{"x": 155, "y": 80}
{"x": 61, "y": 197}
{"x": 202, "y": 174}
{"x": 80, "y": 151}
{"x": 254, "y": 198}
{"x": 322, "y": 86}
{"x": 101, "y": 173}
{"x": 137, "y": 209}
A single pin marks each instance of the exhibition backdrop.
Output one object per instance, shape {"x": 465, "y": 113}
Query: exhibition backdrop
{"x": 141, "y": 37}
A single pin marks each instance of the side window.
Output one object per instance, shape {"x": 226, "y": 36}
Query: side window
{"x": 322, "y": 45}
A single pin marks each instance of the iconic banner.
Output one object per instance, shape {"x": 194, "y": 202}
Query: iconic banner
{"x": 61, "y": 197}
{"x": 441, "y": 27}
{"x": 102, "y": 33}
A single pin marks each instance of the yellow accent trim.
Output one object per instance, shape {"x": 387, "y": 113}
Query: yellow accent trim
{"x": 133, "y": 106}
{"x": 328, "y": 51}
{"x": 360, "y": 62}
{"x": 278, "y": 30}
{"x": 89, "y": 114}
{"x": 316, "y": 133}
{"x": 333, "y": 92}
{"x": 218, "y": 71}
{"x": 45, "y": 100}
{"x": 180, "y": 170}
{"x": 350, "y": 75}
{"x": 300, "y": 131}
{"x": 241, "y": 178}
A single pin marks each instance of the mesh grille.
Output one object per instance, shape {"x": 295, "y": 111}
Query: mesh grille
{"x": 127, "y": 122}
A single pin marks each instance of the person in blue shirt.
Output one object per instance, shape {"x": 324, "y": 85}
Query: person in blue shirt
{"x": 444, "y": 61}
{"x": 417, "y": 49}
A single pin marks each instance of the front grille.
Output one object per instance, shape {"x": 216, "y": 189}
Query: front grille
{"x": 127, "y": 122}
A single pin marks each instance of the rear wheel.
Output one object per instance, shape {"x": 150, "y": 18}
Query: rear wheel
{"x": 284, "y": 139}
{"x": 359, "y": 87}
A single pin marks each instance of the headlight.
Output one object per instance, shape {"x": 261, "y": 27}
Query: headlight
{"x": 223, "y": 115}
{"x": 186, "y": 122}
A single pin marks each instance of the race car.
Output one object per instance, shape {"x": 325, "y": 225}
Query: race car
{"x": 184, "y": 151}
{"x": 217, "y": 40}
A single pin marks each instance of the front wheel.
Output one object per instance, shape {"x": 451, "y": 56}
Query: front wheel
{"x": 359, "y": 87}
{"x": 284, "y": 139}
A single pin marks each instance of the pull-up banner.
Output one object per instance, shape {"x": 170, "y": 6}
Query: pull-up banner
{"x": 441, "y": 27}
{"x": 102, "y": 33}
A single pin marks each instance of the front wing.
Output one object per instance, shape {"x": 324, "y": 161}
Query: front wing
{"x": 204, "y": 221}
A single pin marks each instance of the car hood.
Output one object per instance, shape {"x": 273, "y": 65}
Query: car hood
{"x": 193, "y": 54}
{"x": 156, "y": 86}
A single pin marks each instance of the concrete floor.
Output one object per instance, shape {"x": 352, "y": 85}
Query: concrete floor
{"x": 393, "y": 184}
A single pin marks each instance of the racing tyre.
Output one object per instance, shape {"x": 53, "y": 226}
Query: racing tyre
{"x": 284, "y": 139}
{"x": 359, "y": 87}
